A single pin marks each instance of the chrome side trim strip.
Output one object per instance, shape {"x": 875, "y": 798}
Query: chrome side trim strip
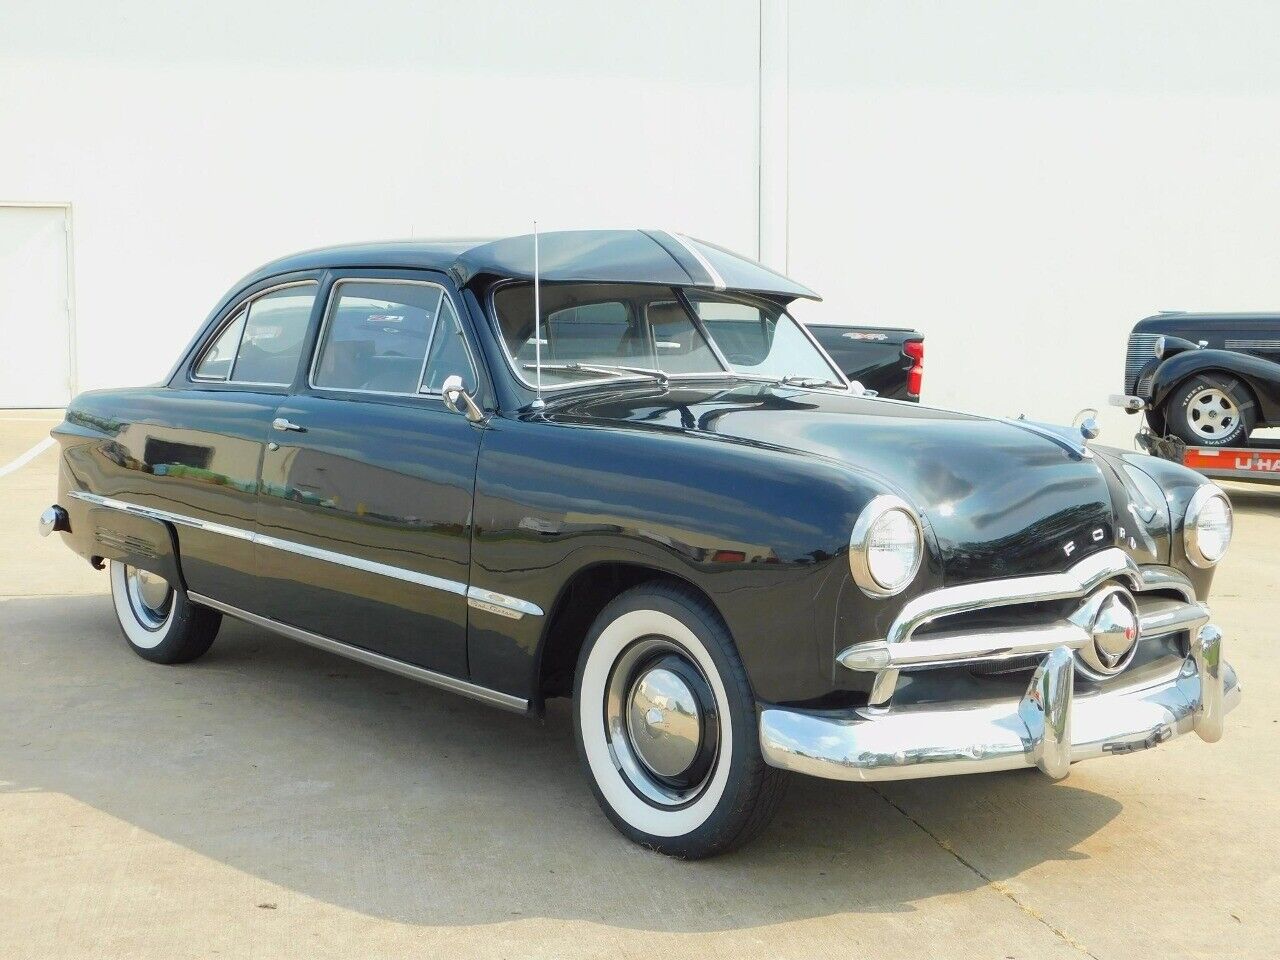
{"x": 477, "y": 597}
{"x": 359, "y": 563}
{"x": 445, "y": 682}
{"x": 155, "y": 513}
{"x": 717, "y": 281}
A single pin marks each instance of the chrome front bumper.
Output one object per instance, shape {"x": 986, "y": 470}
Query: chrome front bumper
{"x": 1050, "y": 727}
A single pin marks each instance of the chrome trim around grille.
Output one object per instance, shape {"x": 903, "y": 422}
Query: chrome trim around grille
{"x": 1084, "y": 577}
{"x": 473, "y": 690}
{"x": 1141, "y": 351}
{"x": 1050, "y": 727}
{"x": 477, "y": 597}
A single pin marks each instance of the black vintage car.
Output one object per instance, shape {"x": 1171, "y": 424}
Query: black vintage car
{"x": 640, "y": 483}
{"x": 1209, "y": 379}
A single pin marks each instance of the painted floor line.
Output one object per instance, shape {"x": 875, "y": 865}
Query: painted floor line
{"x": 27, "y": 457}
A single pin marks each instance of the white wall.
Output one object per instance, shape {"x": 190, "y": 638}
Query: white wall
{"x": 196, "y": 141}
{"x": 1024, "y": 180}
{"x": 1021, "y": 180}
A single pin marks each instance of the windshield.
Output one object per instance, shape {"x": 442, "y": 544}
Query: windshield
{"x": 594, "y": 331}
{"x": 761, "y": 339}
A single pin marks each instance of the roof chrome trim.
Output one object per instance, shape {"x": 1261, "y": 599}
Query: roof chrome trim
{"x": 487, "y": 695}
{"x": 717, "y": 281}
{"x": 486, "y": 599}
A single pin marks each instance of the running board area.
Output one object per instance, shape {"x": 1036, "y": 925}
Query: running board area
{"x": 494, "y": 698}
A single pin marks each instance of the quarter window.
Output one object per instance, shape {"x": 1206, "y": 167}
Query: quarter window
{"x": 262, "y": 343}
{"x": 449, "y": 354}
{"x": 217, "y": 361}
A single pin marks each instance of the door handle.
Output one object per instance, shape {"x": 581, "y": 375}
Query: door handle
{"x": 280, "y": 423}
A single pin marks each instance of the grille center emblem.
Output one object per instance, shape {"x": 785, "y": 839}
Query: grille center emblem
{"x": 1110, "y": 616}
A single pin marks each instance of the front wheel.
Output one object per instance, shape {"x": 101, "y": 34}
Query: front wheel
{"x": 157, "y": 619}
{"x": 665, "y": 723}
{"x": 1210, "y": 411}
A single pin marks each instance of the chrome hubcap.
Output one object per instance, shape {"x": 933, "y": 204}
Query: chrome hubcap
{"x": 664, "y": 722}
{"x": 661, "y": 721}
{"x": 1213, "y": 414}
{"x": 150, "y": 596}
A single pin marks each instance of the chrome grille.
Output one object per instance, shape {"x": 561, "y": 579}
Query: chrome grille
{"x": 1142, "y": 348}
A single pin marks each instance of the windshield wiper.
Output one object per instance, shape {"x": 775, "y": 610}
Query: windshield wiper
{"x": 794, "y": 381}
{"x": 575, "y": 367}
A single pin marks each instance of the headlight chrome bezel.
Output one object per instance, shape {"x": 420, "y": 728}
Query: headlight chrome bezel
{"x": 1191, "y": 529}
{"x": 860, "y": 539}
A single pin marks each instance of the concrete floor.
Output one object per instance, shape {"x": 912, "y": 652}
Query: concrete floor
{"x": 271, "y": 800}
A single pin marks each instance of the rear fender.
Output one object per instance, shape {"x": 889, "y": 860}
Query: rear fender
{"x": 141, "y": 542}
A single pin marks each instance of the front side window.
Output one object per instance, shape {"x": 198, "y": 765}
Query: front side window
{"x": 760, "y": 338}
{"x": 263, "y": 341}
{"x": 589, "y": 330}
{"x": 398, "y": 337}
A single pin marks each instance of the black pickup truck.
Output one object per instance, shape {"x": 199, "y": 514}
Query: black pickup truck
{"x": 888, "y": 360}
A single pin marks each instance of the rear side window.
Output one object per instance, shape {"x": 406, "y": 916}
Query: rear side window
{"x": 263, "y": 341}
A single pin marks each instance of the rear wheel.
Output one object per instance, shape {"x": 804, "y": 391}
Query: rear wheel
{"x": 665, "y": 723}
{"x": 157, "y": 619}
{"x": 1210, "y": 411}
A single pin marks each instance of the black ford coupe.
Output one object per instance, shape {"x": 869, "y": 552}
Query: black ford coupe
{"x": 640, "y": 483}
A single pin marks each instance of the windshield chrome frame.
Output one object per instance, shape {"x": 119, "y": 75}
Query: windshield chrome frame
{"x": 841, "y": 384}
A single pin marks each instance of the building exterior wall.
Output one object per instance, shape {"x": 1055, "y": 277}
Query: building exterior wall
{"x": 1020, "y": 180}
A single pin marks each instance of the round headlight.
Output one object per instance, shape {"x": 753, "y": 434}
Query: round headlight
{"x": 885, "y": 547}
{"x": 1206, "y": 531}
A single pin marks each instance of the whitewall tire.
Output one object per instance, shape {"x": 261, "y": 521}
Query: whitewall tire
{"x": 665, "y": 724}
{"x": 157, "y": 619}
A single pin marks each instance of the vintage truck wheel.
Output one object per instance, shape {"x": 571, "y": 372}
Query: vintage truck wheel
{"x": 1210, "y": 411}
{"x": 665, "y": 723}
{"x": 157, "y": 619}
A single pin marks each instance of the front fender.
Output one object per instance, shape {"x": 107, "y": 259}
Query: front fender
{"x": 1261, "y": 376}
{"x": 762, "y": 532}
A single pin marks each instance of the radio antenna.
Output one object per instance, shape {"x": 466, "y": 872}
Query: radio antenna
{"x": 537, "y": 323}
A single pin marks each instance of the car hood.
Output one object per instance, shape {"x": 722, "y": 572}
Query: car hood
{"x": 1000, "y": 498}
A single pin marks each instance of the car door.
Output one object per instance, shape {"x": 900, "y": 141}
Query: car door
{"x": 200, "y": 440}
{"x": 365, "y": 507}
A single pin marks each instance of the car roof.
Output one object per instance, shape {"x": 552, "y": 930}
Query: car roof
{"x": 579, "y": 256}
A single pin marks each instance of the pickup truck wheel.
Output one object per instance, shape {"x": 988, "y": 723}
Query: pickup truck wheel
{"x": 665, "y": 723}
{"x": 157, "y": 619}
{"x": 1210, "y": 411}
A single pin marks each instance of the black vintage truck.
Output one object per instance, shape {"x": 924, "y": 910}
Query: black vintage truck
{"x": 887, "y": 360}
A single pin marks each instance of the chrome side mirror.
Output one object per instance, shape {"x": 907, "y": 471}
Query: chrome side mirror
{"x": 458, "y": 400}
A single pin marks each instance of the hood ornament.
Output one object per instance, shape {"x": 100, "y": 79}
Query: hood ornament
{"x": 1086, "y": 421}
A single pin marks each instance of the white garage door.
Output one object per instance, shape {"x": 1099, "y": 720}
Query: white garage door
{"x": 35, "y": 363}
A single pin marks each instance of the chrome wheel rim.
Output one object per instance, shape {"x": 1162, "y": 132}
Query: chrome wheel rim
{"x": 1212, "y": 414}
{"x": 150, "y": 597}
{"x": 661, "y": 722}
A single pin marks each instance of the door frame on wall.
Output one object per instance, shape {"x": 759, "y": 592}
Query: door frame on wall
{"x": 65, "y": 207}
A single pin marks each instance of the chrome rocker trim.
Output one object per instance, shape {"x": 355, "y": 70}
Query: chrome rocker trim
{"x": 477, "y": 598}
{"x": 492, "y": 697}
{"x": 1050, "y": 727}
{"x": 887, "y": 656}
